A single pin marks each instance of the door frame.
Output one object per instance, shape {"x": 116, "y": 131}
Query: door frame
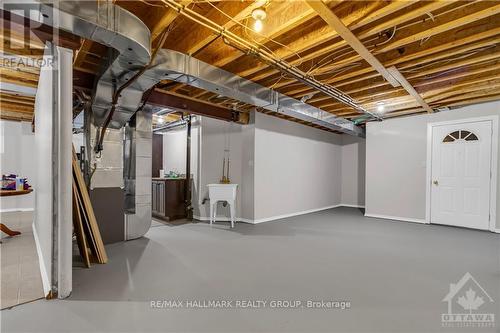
{"x": 493, "y": 165}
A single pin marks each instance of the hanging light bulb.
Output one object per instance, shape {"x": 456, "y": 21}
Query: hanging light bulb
{"x": 160, "y": 120}
{"x": 257, "y": 26}
{"x": 259, "y": 15}
{"x": 380, "y": 107}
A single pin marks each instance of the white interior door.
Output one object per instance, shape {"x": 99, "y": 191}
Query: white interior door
{"x": 461, "y": 174}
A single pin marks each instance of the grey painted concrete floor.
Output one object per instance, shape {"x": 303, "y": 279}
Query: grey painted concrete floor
{"x": 20, "y": 278}
{"x": 395, "y": 275}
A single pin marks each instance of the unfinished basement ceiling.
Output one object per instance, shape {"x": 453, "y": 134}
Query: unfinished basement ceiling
{"x": 446, "y": 50}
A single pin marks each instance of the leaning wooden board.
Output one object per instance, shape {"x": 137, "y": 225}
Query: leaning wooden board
{"x": 79, "y": 231}
{"x": 89, "y": 211}
{"x": 87, "y": 230}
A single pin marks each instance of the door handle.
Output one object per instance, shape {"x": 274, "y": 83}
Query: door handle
{"x": 435, "y": 182}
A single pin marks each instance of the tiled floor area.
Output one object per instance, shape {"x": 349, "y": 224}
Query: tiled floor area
{"x": 21, "y": 281}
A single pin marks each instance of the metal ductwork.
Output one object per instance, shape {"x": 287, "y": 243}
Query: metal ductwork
{"x": 130, "y": 51}
{"x": 137, "y": 174}
{"x": 108, "y": 24}
{"x": 129, "y": 38}
{"x": 176, "y": 66}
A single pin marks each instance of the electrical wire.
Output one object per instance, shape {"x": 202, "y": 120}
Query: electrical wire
{"x": 282, "y": 76}
{"x": 343, "y": 69}
{"x": 347, "y": 50}
{"x": 448, "y": 60}
{"x": 153, "y": 4}
{"x": 424, "y": 40}
{"x": 388, "y": 39}
{"x": 263, "y": 36}
{"x": 246, "y": 46}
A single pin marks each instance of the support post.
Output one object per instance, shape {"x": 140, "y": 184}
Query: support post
{"x": 187, "y": 192}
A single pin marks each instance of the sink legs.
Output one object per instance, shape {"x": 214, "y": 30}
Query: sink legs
{"x": 213, "y": 212}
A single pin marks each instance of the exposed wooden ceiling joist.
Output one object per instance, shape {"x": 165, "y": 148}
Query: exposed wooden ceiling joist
{"x": 448, "y": 51}
{"x": 336, "y": 24}
{"x": 324, "y": 38}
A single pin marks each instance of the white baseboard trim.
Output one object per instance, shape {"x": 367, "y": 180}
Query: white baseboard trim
{"x": 267, "y": 219}
{"x": 352, "y": 206}
{"x": 396, "y": 218}
{"x": 43, "y": 270}
{"x": 496, "y": 230}
{"x": 10, "y": 210}
{"x": 284, "y": 216}
{"x": 222, "y": 219}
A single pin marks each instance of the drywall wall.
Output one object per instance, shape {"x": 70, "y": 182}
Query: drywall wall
{"x": 396, "y": 158}
{"x": 215, "y": 137}
{"x": 247, "y": 171}
{"x": 297, "y": 168}
{"x": 174, "y": 150}
{"x": 53, "y": 144}
{"x": 353, "y": 171}
{"x": 17, "y": 153}
{"x": 282, "y": 168}
{"x": 174, "y": 153}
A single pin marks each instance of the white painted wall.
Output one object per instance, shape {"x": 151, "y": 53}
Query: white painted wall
{"x": 297, "y": 168}
{"x": 174, "y": 150}
{"x": 53, "y": 137}
{"x": 213, "y": 136}
{"x": 247, "y": 188}
{"x": 174, "y": 154}
{"x": 353, "y": 171}
{"x": 282, "y": 168}
{"x": 17, "y": 156}
{"x": 396, "y": 162}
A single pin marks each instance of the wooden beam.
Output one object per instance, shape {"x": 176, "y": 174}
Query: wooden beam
{"x": 392, "y": 75}
{"x": 325, "y": 37}
{"x": 490, "y": 11}
{"x": 428, "y": 54}
{"x": 485, "y": 88}
{"x": 409, "y": 88}
{"x": 354, "y": 76}
{"x": 43, "y": 33}
{"x": 191, "y": 39}
{"x": 441, "y": 24}
{"x": 14, "y": 116}
{"x": 458, "y": 46}
{"x": 21, "y": 82}
{"x": 168, "y": 99}
{"x": 452, "y": 81}
{"x": 428, "y": 90}
{"x": 82, "y": 52}
{"x": 335, "y": 23}
{"x": 167, "y": 19}
{"x": 283, "y": 17}
{"x": 14, "y": 107}
{"x": 16, "y": 100}
{"x": 481, "y": 99}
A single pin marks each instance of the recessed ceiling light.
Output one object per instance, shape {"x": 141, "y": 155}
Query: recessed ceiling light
{"x": 380, "y": 107}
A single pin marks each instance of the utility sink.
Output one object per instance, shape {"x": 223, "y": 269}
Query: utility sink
{"x": 222, "y": 192}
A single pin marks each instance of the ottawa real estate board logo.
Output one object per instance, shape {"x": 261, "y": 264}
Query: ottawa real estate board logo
{"x": 469, "y": 305}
